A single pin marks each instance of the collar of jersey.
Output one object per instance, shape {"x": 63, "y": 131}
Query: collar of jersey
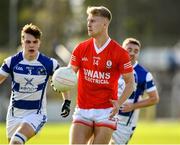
{"x": 31, "y": 60}
{"x": 136, "y": 63}
{"x": 98, "y": 50}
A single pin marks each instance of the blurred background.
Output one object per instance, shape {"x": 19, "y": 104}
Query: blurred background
{"x": 63, "y": 23}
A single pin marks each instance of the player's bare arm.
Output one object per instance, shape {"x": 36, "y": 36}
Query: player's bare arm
{"x": 66, "y": 95}
{"x": 129, "y": 87}
{"x": 2, "y": 78}
{"x": 151, "y": 99}
{"x": 75, "y": 68}
{"x": 130, "y": 84}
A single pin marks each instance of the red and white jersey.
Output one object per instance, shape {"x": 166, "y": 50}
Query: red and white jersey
{"x": 99, "y": 71}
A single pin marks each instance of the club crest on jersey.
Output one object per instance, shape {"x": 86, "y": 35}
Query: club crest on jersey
{"x": 41, "y": 71}
{"x": 109, "y": 64}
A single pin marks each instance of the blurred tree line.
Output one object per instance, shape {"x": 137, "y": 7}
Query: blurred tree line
{"x": 52, "y": 17}
{"x": 154, "y": 22}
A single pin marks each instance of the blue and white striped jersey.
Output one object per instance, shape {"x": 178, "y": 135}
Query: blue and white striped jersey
{"x": 144, "y": 82}
{"x": 29, "y": 82}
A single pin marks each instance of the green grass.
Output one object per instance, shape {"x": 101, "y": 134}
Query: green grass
{"x": 146, "y": 133}
{"x": 157, "y": 133}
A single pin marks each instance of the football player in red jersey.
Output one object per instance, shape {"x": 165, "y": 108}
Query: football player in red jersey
{"x": 99, "y": 62}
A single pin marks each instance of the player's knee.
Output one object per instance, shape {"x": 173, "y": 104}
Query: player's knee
{"x": 18, "y": 138}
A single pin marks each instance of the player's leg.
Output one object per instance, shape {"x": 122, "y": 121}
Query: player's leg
{"x": 102, "y": 135}
{"x": 91, "y": 139}
{"x": 122, "y": 135}
{"x": 28, "y": 127}
{"x": 12, "y": 123}
{"x": 10, "y": 129}
{"x": 103, "y": 126}
{"x": 82, "y": 127}
{"x": 80, "y": 133}
{"x": 22, "y": 134}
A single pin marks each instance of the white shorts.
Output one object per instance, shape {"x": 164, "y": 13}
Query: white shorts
{"x": 36, "y": 121}
{"x": 123, "y": 134}
{"x": 94, "y": 117}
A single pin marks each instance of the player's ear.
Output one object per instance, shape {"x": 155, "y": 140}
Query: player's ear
{"x": 106, "y": 22}
{"x": 39, "y": 42}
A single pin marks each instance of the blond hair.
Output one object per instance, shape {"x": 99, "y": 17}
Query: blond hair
{"x": 99, "y": 11}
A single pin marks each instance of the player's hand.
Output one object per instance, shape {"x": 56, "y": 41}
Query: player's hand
{"x": 115, "y": 108}
{"x": 127, "y": 107}
{"x": 65, "y": 110}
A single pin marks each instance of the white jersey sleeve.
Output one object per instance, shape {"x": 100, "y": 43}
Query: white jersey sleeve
{"x": 55, "y": 64}
{"x": 4, "y": 70}
{"x": 150, "y": 86}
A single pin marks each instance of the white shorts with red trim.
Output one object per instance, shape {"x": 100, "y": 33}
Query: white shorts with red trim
{"x": 94, "y": 117}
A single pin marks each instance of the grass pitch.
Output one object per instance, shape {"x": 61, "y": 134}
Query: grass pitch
{"x": 161, "y": 132}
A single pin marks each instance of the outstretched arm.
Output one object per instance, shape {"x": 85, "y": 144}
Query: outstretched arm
{"x": 151, "y": 99}
{"x": 2, "y": 78}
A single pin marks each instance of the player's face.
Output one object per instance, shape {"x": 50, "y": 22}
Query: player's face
{"x": 133, "y": 50}
{"x": 95, "y": 25}
{"x": 30, "y": 46}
